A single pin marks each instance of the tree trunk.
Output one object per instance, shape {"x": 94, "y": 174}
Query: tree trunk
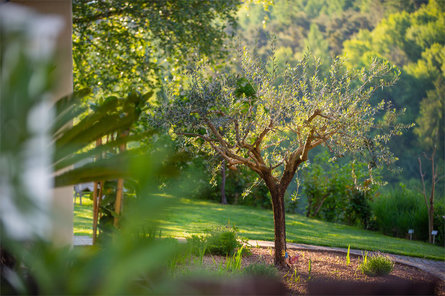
{"x": 279, "y": 220}
{"x": 433, "y": 189}
{"x": 429, "y": 204}
{"x": 223, "y": 182}
{"x": 430, "y": 223}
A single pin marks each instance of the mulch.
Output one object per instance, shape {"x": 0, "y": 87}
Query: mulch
{"x": 329, "y": 274}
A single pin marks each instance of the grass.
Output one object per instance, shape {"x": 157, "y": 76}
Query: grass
{"x": 83, "y": 217}
{"x": 187, "y": 217}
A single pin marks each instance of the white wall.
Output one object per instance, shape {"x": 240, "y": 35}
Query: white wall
{"x": 62, "y": 197}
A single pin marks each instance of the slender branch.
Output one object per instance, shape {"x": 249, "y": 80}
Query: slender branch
{"x": 207, "y": 139}
{"x": 277, "y": 165}
{"x": 216, "y": 133}
{"x": 238, "y": 138}
{"x": 316, "y": 113}
{"x": 274, "y": 144}
{"x": 422, "y": 176}
{"x": 323, "y": 139}
{"x": 263, "y": 134}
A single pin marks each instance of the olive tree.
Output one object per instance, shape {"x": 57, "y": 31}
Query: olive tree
{"x": 270, "y": 121}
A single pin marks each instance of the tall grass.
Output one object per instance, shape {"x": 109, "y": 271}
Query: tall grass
{"x": 400, "y": 209}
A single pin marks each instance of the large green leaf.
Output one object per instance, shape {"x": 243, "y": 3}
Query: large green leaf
{"x": 75, "y": 144}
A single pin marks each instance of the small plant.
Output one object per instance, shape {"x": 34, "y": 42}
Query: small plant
{"x": 295, "y": 277}
{"x": 348, "y": 259}
{"x": 261, "y": 269}
{"x": 234, "y": 263}
{"x": 309, "y": 269}
{"x": 365, "y": 257}
{"x": 377, "y": 265}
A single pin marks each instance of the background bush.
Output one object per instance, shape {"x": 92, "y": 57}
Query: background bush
{"x": 207, "y": 185}
{"x": 400, "y": 209}
{"x": 220, "y": 240}
{"x": 333, "y": 195}
{"x": 439, "y": 221}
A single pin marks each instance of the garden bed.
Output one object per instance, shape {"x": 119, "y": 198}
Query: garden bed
{"x": 330, "y": 274}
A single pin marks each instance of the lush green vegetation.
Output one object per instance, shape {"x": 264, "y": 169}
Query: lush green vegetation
{"x": 409, "y": 34}
{"x": 121, "y": 47}
{"x": 149, "y": 45}
{"x": 188, "y": 217}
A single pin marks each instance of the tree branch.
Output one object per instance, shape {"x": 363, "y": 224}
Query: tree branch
{"x": 216, "y": 133}
{"x": 307, "y": 146}
{"x": 262, "y": 135}
{"x": 422, "y": 177}
{"x": 207, "y": 139}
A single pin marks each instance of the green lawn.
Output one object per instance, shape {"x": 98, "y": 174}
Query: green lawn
{"x": 186, "y": 217}
{"x": 83, "y": 217}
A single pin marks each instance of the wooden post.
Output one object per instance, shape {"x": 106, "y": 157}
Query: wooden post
{"x": 120, "y": 190}
{"x": 96, "y": 202}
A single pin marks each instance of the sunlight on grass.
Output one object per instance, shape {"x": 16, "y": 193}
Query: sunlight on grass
{"x": 187, "y": 217}
{"x": 83, "y": 217}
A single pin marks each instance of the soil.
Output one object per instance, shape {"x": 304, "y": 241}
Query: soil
{"x": 330, "y": 274}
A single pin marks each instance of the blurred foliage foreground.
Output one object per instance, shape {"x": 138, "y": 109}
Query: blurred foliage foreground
{"x": 35, "y": 141}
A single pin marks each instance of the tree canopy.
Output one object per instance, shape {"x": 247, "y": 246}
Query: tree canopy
{"x": 118, "y": 44}
{"x": 269, "y": 120}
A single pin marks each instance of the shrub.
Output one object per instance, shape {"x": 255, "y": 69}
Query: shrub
{"x": 221, "y": 240}
{"x": 207, "y": 185}
{"x": 377, "y": 265}
{"x": 339, "y": 191}
{"x": 197, "y": 245}
{"x": 439, "y": 221}
{"x": 400, "y": 209}
{"x": 260, "y": 269}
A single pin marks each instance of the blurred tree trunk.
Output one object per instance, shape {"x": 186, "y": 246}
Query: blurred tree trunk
{"x": 96, "y": 201}
{"x": 120, "y": 188}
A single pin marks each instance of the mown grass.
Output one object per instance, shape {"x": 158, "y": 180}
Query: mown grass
{"x": 83, "y": 217}
{"x": 186, "y": 217}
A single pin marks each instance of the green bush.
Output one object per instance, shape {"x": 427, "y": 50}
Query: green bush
{"x": 207, "y": 184}
{"x": 400, "y": 209}
{"x": 221, "y": 240}
{"x": 439, "y": 221}
{"x": 197, "y": 245}
{"x": 377, "y": 265}
{"x": 339, "y": 191}
{"x": 260, "y": 269}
